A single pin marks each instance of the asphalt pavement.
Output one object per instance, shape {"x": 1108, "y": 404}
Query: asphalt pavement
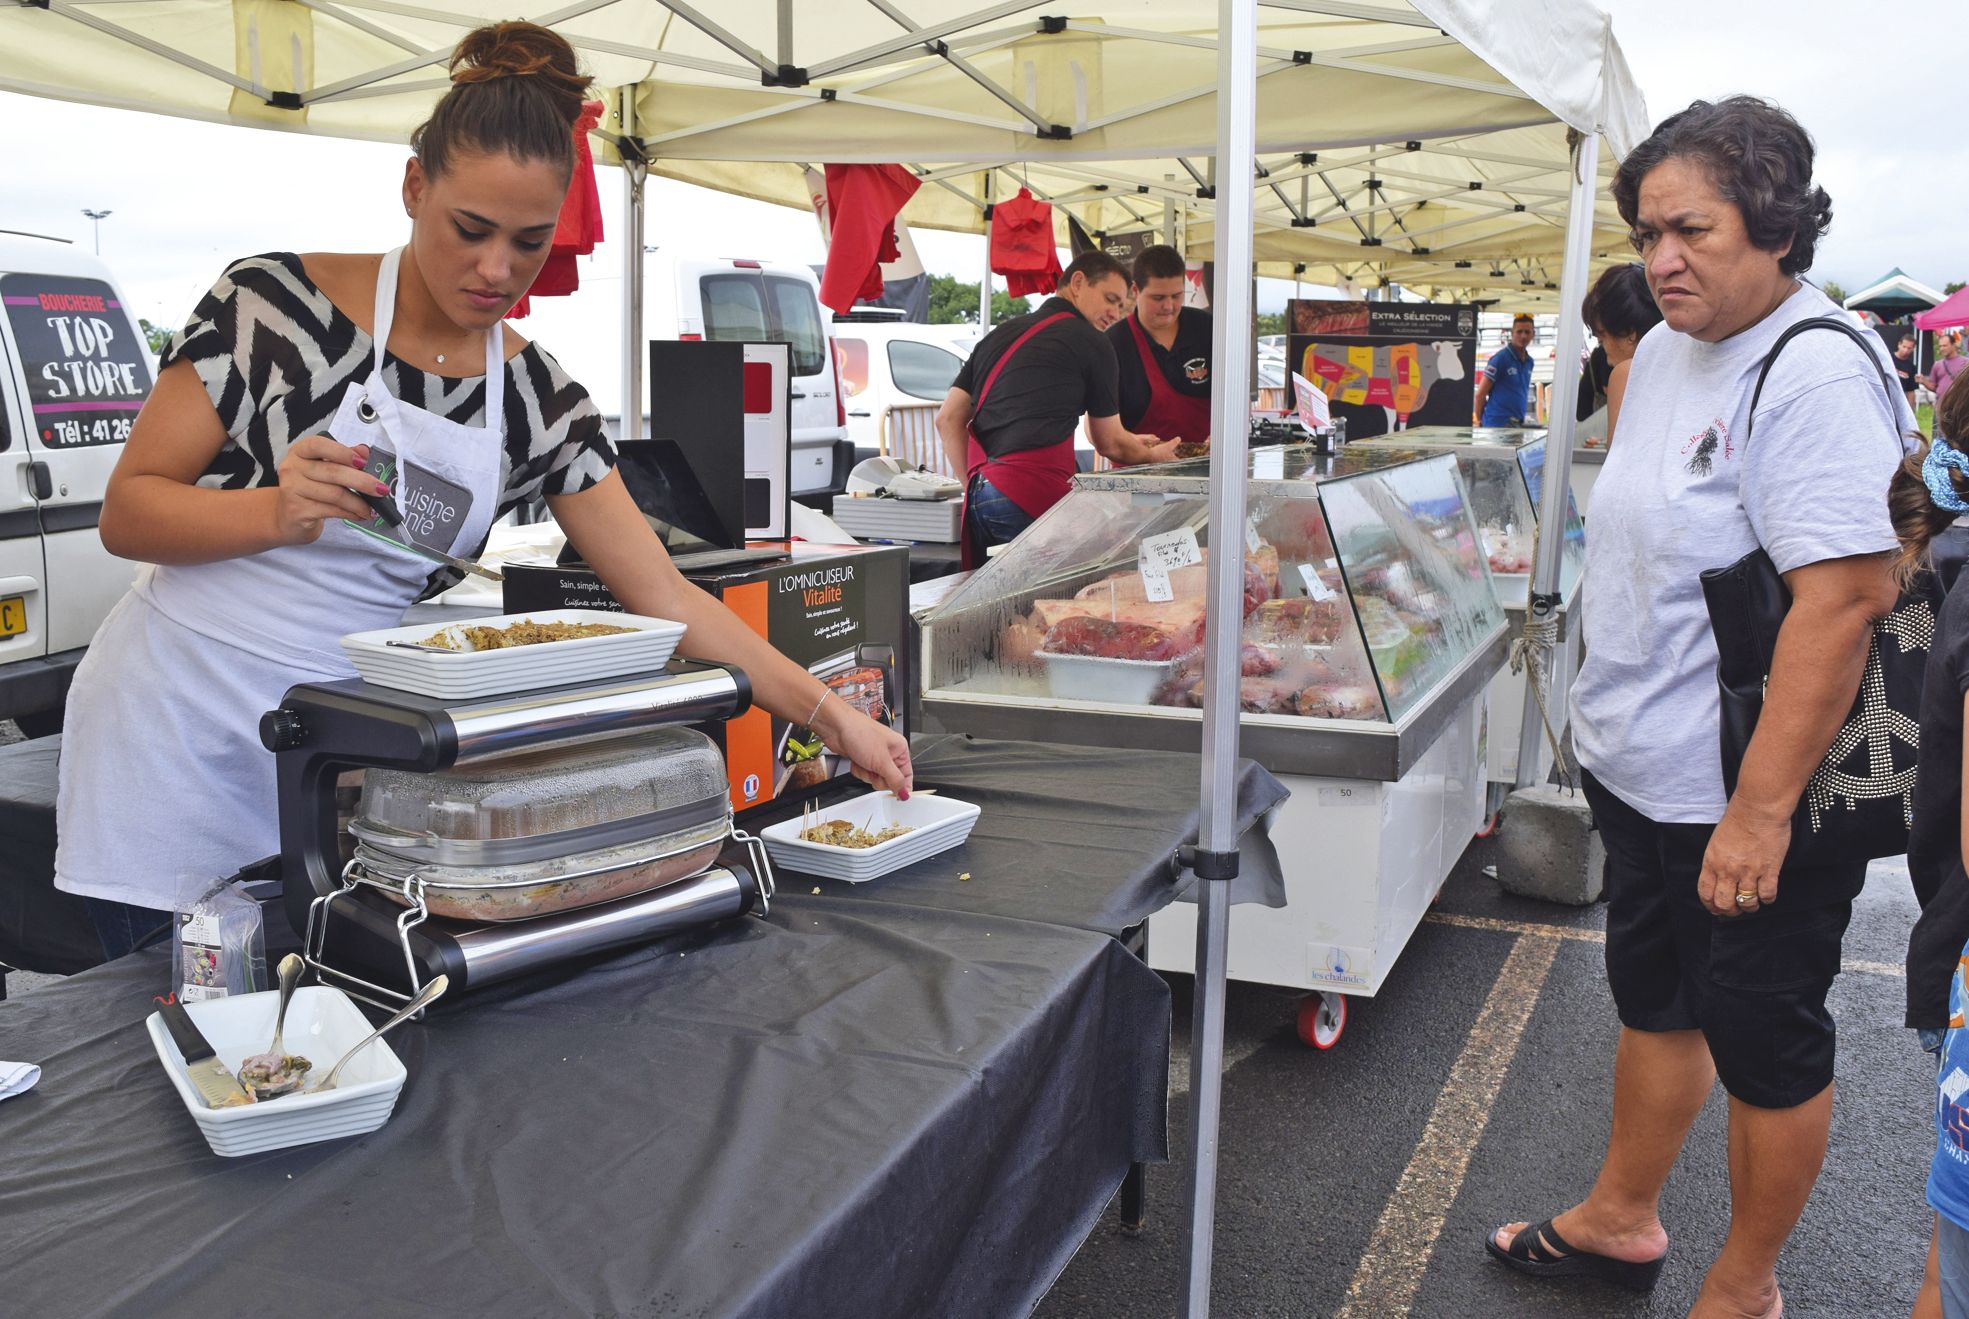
{"x": 1475, "y": 1089}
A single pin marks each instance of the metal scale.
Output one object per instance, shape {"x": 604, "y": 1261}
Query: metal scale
{"x": 383, "y": 951}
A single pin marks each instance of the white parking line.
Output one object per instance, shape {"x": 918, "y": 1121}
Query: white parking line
{"x": 1397, "y": 1255}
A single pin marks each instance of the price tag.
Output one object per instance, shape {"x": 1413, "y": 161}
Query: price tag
{"x": 1172, "y": 549}
{"x": 1155, "y": 582}
{"x": 1316, "y": 589}
{"x": 1253, "y": 542}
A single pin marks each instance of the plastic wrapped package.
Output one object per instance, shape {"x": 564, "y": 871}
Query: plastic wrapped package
{"x": 222, "y": 945}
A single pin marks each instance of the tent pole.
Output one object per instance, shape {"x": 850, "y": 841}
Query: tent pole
{"x": 634, "y": 173}
{"x": 984, "y": 289}
{"x": 1217, "y": 834}
{"x": 1558, "y": 441}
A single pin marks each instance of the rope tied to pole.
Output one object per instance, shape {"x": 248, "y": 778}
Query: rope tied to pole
{"x": 1531, "y": 651}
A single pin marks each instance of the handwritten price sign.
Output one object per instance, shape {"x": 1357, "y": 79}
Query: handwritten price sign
{"x": 1162, "y": 555}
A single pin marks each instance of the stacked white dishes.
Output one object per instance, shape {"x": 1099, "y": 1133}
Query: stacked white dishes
{"x": 322, "y": 1025}
{"x": 469, "y": 674}
{"x": 936, "y": 824}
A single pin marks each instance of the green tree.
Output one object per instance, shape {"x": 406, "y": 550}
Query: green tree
{"x": 158, "y": 336}
{"x": 1832, "y": 289}
{"x": 1955, "y": 286}
{"x": 1270, "y": 322}
{"x": 955, "y": 302}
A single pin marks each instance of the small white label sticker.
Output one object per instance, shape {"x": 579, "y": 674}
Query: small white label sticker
{"x": 1155, "y": 582}
{"x": 1316, "y": 589}
{"x": 1252, "y": 541}
{"x": 1338, "y": 796}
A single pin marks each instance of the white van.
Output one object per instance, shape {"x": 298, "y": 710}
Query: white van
{"x": 893, "y": 364}
{"x": 74, "y": 370}
{"x": 739, "y": 300}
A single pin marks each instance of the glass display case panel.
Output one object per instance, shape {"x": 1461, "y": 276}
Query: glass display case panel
{"x": 1068, "y": 614}
{"x": 1504, "y": 470}
{"x": 1416, "y": 573}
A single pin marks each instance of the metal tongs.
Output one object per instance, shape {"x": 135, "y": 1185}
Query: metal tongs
{"x": 386, "y": 508}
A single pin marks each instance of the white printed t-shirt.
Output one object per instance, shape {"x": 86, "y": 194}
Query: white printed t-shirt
{"x": 1681, "y": 493}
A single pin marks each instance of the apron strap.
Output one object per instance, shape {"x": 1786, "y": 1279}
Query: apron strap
{"x": 384, "y": 316}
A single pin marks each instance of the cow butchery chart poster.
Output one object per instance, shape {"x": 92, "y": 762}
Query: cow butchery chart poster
{"x": 1387, "y": 366}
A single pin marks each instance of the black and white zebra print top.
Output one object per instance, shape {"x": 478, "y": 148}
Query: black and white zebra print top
{"x": 277, "y": 356}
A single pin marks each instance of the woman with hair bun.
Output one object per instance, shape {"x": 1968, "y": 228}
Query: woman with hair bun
{"x": 302, "y": 387}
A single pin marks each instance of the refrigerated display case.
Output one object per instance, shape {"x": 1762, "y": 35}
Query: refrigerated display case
{"x": 1504, "y": 470}
{"x": 1370, "y": 629}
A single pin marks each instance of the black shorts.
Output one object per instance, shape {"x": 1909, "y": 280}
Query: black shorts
{"x": 1754, "y": 985}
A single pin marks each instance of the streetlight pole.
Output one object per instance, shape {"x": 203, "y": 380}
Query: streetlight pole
{"x": 96, "y": 219}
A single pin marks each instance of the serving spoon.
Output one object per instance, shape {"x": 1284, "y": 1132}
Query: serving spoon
{"x": 425, "y": 997}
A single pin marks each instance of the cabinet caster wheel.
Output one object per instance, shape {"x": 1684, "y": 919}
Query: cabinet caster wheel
{"x": 1322, "y": 1019}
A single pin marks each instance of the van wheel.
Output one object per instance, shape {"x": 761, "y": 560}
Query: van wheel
{"x": 41, "y": 723}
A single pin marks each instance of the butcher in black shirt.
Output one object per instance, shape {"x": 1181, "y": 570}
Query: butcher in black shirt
{"x": 1008, "y": 421}
{"x": 1162, "y": 353}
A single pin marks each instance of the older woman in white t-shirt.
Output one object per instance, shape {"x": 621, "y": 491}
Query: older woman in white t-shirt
{"x": 1720, "y": 947}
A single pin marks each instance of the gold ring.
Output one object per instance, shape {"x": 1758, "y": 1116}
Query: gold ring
{"x": 1745, "y": 899}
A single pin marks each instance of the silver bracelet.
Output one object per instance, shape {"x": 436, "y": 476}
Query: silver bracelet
{"x": 817, "y": 704}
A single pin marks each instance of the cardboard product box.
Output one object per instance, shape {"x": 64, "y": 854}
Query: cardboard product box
{"x": 840, "y": 610}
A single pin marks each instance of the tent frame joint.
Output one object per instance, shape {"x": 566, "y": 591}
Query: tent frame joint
{"x": 1206, "y": 864}
{"x": 286, "y": 101}
{"x": 1052, "y": 25}
{"x": 790, "y": 75}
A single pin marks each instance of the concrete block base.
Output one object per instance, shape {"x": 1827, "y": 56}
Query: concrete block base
{"x": 1548, "y": 848}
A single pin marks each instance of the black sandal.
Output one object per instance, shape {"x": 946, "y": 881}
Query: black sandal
{"x": 1543, "y": 1253}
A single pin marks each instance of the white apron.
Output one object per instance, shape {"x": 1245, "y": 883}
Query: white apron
{"x": 165, "y": 788}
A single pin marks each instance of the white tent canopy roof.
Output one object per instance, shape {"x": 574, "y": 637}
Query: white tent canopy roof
{"x": 1396, "y": 138}
{"x": 1896, "y": 283}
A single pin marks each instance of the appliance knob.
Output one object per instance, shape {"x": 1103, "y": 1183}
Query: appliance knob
{"x": 281, "y": 730}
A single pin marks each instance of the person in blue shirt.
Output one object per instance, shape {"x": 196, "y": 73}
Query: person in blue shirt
{"x": 1504, "y": 392}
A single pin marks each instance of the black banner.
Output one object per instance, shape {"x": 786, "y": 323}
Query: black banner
{"x": 88, "y": 371}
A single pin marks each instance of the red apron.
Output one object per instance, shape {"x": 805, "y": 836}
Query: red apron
{"x": 1171, "y": 414}
{"x": 1034, "y": 479}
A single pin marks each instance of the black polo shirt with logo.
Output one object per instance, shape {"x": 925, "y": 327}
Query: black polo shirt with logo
{"x": 1065, "y": 370}
{"x": 1185, "y": 364}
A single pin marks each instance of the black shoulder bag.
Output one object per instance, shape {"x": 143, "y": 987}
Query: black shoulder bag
{"x": 1860, "y": 801}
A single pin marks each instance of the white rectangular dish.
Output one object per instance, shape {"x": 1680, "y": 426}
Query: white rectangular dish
{"x": 1096, "y": 678}
{"x": 937, "y": 824}
{"x": 322, "y": 1025}
{"x": 463, "y": 674}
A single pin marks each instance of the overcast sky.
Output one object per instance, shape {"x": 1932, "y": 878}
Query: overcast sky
{"x": 187, "y": 197}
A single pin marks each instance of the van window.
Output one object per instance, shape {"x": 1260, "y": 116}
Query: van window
{"x": 735, "y": 309}
{"x": 798, "y": 313}
{"x": 922, "y": 370}
{"x": 851, "y": 359}
{"x": 87, "y": 370}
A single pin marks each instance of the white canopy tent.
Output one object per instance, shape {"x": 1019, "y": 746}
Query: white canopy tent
{"x": 1388, "y": 139}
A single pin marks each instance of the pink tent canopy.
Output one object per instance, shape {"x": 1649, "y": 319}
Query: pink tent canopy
{"x": 1950, "y": 311}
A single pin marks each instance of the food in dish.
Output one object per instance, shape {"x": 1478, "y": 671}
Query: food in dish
{"x": 271, "y": 1075}
{"x": 526, "y": 632}
{"x": 839, "y": 833}
{"x": 1192, "y": 448}
{"x": 1103, "y": 639}
{"x": 1301, "y": 619}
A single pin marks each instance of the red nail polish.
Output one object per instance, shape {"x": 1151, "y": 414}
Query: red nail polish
{"x": 382, "y": 489}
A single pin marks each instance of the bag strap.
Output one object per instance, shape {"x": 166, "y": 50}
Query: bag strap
{"x": 991, "y": 377}
{"x": 1844, "y": 327}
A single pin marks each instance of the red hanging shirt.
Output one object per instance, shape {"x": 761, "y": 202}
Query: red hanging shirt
{"x": 1022, "y": 247}
{"x": 579, "y": 227}
{"x": 862, "y": 204}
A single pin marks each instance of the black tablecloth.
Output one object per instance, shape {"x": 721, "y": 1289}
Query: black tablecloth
{"x": 836, "y": 1111}
{"x": 41, "y": 928}
{"x": 1078, "y": 836}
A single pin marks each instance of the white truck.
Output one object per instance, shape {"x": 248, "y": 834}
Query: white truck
{"x": 74, "y": 370}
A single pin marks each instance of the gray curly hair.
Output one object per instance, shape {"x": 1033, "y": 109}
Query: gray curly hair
{"x": 1757, "y": 156}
